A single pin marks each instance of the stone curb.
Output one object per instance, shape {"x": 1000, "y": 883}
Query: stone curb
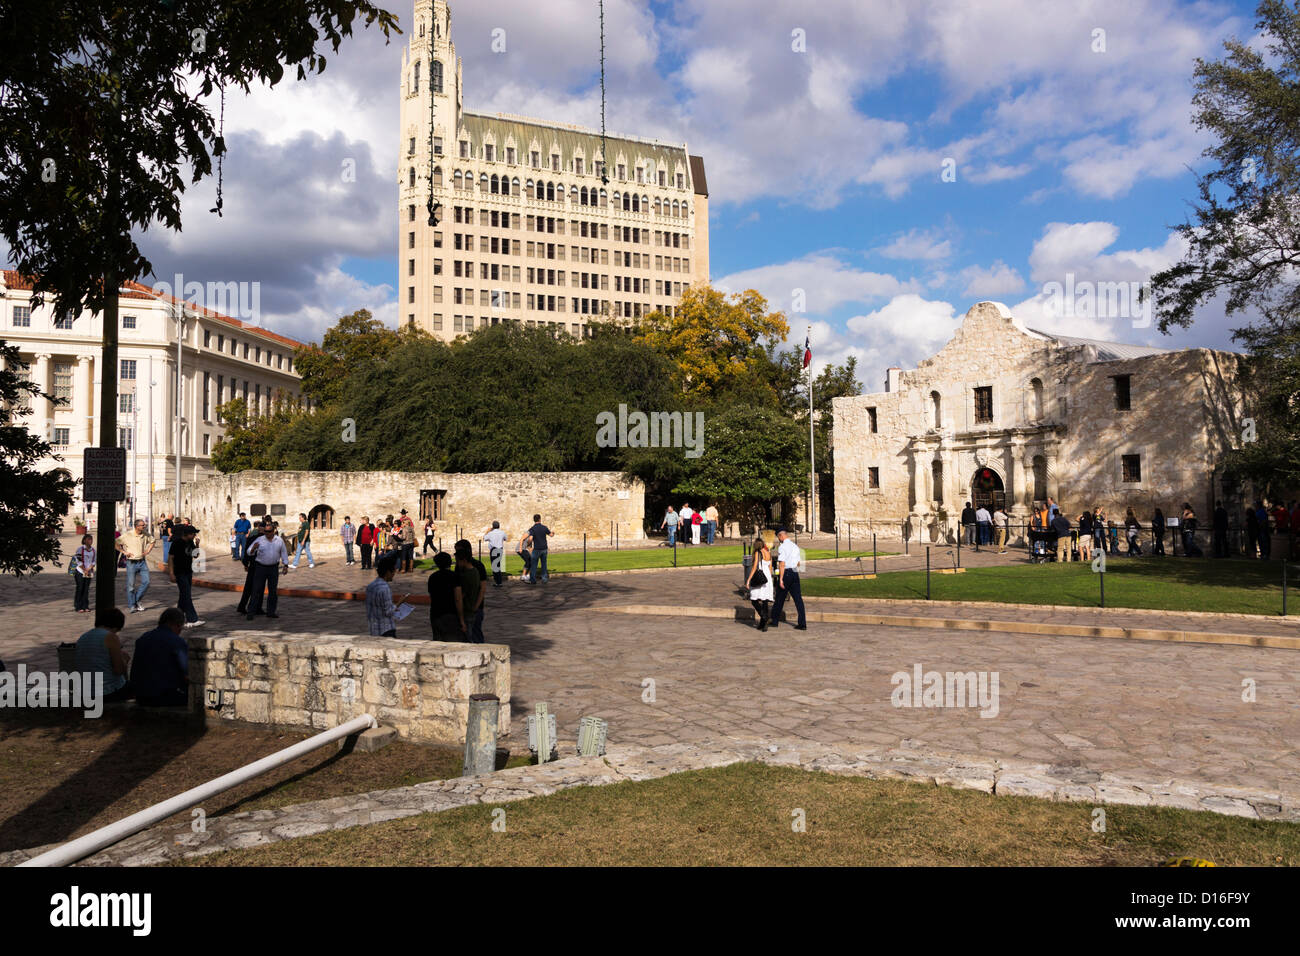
{"x": 964, "y": 772}
{"x": 1032, "y": 628}
{"x": 1288, "y": 621}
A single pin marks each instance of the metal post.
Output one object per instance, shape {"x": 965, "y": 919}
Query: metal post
{"x": 1102, "y": 574}
{"x": 927, "y": 572}
{"x": 873, "y": 552}
{"x": 906, "y": 545}
{"x": 584, "y": 552}
{"x": 850, "y": 537}
{"x": 481, "y": 734}
{"x": 837, "y": 541}
{"x": 1284, "y": 587}
{"x": 959, "y": 544}
{"x": 674, "y": 551}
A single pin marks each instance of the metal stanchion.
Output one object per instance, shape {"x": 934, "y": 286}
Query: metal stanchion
{"x": 959, "y": 545}
{"x": 873, "y": 552}
{"x": 837, "y": 541}
{"x": 584, "y": 552}
{"x": 927, "y": 572}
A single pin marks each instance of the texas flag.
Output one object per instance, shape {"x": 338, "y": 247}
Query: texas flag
{"x": 807, "y": 349}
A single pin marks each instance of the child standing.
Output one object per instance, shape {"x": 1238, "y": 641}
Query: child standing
{"x": 84, "y": 570}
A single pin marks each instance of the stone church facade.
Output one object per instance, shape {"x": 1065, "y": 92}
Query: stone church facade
{"x": 1008, "y": 415}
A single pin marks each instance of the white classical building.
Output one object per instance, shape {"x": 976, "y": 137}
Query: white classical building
{"x": 162, "y": 419}
{"x": 529, "y": 232}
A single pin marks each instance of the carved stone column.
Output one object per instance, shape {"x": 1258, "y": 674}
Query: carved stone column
{"x": 84, "y": 420}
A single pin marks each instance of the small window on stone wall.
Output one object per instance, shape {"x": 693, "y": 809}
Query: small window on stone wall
{"x": 984, "y": 404}
{"x": 432, "y": 504}
{"x": 321, "y": 518}
{"x": 1123, "y": 393}
{"x": 871, "y": 419}
{"x": 1131, "y": 468}
{"x": 873, "y": 478}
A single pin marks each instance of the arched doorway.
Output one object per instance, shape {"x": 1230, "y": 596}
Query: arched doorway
{"x": 986, "y": 489}
{"x": 321, "y": 518}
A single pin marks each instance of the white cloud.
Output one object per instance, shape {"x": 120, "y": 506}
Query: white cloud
{"x": 918, "y": 244}
{"x": 827, "y": 282}
{"x": 998, "y": 279}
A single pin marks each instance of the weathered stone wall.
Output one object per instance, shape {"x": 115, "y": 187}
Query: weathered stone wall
{"x": 1055, "y": 430}
{"x": 570, "y": 503}
{"x": 420, "y": 688}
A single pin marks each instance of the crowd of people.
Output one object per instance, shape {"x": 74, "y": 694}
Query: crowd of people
{"x": 691, "y": 525}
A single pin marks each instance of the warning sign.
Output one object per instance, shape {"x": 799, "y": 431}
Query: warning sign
{"x": 104, "y": 471}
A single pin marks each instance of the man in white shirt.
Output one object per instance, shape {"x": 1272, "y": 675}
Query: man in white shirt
{"x": 983, "y": 525}
{"x": 496, "y": 539}
{"x": 686, "y": 513}
{"x": 789, "y": 562}
{"x": 269, "y": 556}
{"x": 1000, "y": 523}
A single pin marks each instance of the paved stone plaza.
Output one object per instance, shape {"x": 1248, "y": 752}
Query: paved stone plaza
{"x": 1154, "y": 711}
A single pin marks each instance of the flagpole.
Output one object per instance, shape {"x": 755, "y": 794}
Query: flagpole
{"x": 812, "y": 452}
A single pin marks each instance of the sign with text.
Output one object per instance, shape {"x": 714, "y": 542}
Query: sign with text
{"x": 104, "y": 471}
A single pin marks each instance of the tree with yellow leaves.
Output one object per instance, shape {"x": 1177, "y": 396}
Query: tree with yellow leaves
{"x": 713, "y": 339}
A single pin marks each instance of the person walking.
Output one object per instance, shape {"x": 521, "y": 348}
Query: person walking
{"x": 473, "y": 578}
{"x": 1221, "y": 530}
{"x": 1158, "y": 532}
{"x": 697, "y": 525}
{"x": 686, "y": 514}
{"x": 429, "y": 531}
{"x": 381, "y": 612}
{"x": 165, "y": 530}
{"x": 983, "y": 526}
{"x": 1085, "y": 537}
{"x": 408, "y": 542}
{"x": 1262, "y": 532}
{"x": 241, "y": 529}
{"x": 1188, "y": 529}
{"x": 269, "y": 556}
{"x": 789, "y": 561}
{"x": 83, "y": 569}
{"x": 1061, "y": 525}
{"x": 1000, "y": 525}
{"x": 250, "y": 566}
{"x": 349, "y": 535}
{"x": 135, "y": 546}
{"x": 1132, "y": 530}
{"x": 759, "y": 582}
{"x": 446, "y": 618}
{"x": 526, "y": 556}
{"x": 968, "y": 522}
{"x": 304, "y": 543}
{"x": 496, "y": 539}
{"x": 366, "y": 535}
{"x": 180, "y": 569}
{"x": 671, "y": 518}
{"x": 711, "y": 515}
{"x": 538, "y": 534}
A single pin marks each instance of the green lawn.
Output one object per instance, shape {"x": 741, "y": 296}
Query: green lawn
{"x": 1168, "y": 584}
{"x": 699, "y": 555}
{"x": 743, "y": 815}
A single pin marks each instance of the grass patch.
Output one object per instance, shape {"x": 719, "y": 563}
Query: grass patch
{"x": 1165, "y": 584}
{"x": 699, "y": 555}
{"x": 741, "y": 815}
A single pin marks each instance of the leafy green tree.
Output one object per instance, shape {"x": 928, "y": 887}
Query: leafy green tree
{"x": 32, "y": 502}
{"x": 752, "y": 456}
{"x": 1243, "y": 239}
{"x": 355, "y": 341}
{"x": 714, "y": 340}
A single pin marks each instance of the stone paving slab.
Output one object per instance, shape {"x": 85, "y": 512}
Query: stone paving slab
{"x": 629, "y": 763}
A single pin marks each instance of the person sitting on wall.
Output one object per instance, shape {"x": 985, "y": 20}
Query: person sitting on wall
{"x": 160, "y": 673}
{"x": 99, "y": 651}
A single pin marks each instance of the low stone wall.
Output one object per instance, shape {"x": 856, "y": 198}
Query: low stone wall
{"x": 420, "y": 688}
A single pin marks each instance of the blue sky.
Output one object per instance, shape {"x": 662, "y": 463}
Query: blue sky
{"x": 824, "y": 129}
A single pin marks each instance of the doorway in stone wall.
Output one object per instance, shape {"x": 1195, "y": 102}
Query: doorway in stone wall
{"x": 986, "y": 490}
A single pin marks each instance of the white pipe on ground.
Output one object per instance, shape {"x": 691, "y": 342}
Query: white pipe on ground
{"x": 84, "y": 846}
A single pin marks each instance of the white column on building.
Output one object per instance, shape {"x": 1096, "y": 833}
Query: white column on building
{"x": 1019, "y": 495}
{"x": 82, "y": 403}
{"x": 167, "y": 411}
{"x": 43, "y": 411}
{"x": 919, "y": 463}
{"x": 1053, "y": 486}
